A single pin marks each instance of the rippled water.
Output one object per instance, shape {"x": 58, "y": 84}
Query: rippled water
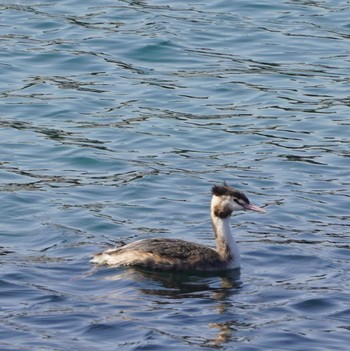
{"x": 116, "y": 119}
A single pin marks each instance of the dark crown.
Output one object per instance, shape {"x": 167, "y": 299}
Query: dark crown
{"x": 224, "y": 189}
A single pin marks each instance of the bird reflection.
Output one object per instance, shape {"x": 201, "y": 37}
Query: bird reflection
{"x": 180, "y": 284}
{"x": 215, "y": 289}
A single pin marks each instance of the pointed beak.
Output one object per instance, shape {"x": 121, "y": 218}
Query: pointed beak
{"x": 254, "y": 208}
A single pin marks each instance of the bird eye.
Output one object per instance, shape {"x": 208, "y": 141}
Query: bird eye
{"x": 239, "y": 203}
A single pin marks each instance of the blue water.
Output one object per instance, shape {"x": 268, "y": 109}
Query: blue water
{"x": 116, "y": 119}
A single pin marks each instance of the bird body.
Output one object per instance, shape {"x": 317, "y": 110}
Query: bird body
{"x": 176, "y": 254}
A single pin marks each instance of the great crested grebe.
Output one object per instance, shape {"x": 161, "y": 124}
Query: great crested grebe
{"x": 176, "y": 254}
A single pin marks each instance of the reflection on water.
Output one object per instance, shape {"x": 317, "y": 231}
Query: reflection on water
{"x": 159, "y": 290}
{"x": 177, "y": 284}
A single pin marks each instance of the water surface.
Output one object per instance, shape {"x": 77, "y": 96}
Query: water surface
{"x": 116, "y": 119}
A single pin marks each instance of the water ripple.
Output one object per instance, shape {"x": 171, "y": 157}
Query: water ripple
{"x": 118, "y": 116}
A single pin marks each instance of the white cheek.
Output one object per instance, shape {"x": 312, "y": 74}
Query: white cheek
{"x": 236, "y": 206}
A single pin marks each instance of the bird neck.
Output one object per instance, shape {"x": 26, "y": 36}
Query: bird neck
{"x": 226, "y": 245}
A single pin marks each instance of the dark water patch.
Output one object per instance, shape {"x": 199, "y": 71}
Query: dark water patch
{"x": 316, "y": 305}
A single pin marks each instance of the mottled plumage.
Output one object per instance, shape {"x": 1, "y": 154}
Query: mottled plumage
{"x": 164, "y": 253}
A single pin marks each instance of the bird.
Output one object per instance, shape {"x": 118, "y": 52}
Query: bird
{"x": 183, "y": 255}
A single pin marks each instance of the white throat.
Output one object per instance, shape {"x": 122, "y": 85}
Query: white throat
{"x": 226, "y": 245}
